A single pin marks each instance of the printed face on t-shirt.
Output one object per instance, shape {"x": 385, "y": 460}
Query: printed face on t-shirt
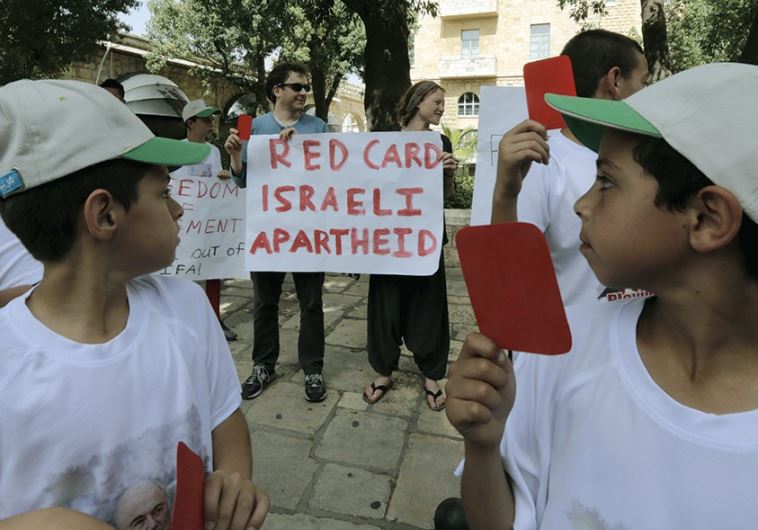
{"x": 626, "y": 238}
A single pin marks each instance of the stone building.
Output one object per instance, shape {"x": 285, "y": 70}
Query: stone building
{"x": 127, "y": 55}
{"x": 487, "y": 42}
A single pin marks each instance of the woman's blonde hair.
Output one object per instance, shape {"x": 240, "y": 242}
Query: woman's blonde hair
{"x": 408, "y": 105}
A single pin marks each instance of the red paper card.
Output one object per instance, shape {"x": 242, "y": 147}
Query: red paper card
{"x": 244, "y": 126}
{"x": 189, "y": 506}
{"x": 512, "y": 286}
{"x": 554, "y": 76}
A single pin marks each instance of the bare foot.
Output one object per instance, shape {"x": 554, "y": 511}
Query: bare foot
{"x": 435, "y": 397}
{"x": 376, "y": 390}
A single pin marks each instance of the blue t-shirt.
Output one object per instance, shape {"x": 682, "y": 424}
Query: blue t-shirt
{"x": 268, "y": 124}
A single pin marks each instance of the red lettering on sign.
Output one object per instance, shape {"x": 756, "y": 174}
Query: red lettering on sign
{"x": 378, "y": 210}
{"x": 279, "y": 156}
{"x": 281, "y": 236}
{"x": 392, "y": 157}
{"x": 411, "y": 154}
{"x": 286, "y": 205}
{"x": 357, "y": 242}
{"x": 301, "y": 241}
{"x": 432, "y": 156}
{"x": 264, "y": 197}
{"x": 427, "y": 242}
{"x": 401, "y": 233}
{"x": 366, "y": 159}
{"x": 334, "y": 145}
{"x": 330, "y": 200}
{"x": 354, "y": 206}
{"x": 306, "y": 192}
{"x": 338, "y": 233}
{"x": 409, "y": 210}
{"x": 321, "y": 239}
{"x": 184, "y": 187}
{"x": 261, "y": 242}
{"x": 381, "y": 241}
{"x": 311, "y": 155}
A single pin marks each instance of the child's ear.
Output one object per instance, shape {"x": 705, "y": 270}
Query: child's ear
{"x": 101, "y": 214}
{"x": 716, "y": 218}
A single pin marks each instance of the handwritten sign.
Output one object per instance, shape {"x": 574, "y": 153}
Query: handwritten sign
{"x": 212, "y": 229}
{"x": 355, "y": 202}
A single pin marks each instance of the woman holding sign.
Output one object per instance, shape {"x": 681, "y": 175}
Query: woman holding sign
{"x": 413, "y": 309}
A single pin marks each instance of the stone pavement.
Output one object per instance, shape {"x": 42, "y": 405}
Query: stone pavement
{"x": 343, "y": 464}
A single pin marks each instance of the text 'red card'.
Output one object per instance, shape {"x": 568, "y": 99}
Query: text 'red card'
{"x": 244, "y": 126}
{"x": 554, "y": 76}
{"x": 513, "y": 289}
{"x": 188, "y": 511}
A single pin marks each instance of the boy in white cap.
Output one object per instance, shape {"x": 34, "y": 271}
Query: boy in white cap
{"x": 651, "y": 421}
{"x": 104, "y": 368}
{"x": 198, "y": 119}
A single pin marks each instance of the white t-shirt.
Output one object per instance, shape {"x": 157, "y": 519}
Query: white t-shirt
{"x": 594, "y": 443}
{"x": 547, "y": 200}
{"x": 81, "y": 424}
{"x": 17, "y": 266}
{"x": 210, "y": 167}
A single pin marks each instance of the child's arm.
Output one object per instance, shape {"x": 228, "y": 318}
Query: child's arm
{"x": 231, "y": 499}
{"x": 481, "y": 390}
{"x": 53, "y": 518}
{"x": 519, "y": 147}
{"x": 6, "y": 295}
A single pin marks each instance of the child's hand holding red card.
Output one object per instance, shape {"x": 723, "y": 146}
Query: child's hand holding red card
{"x": 244, "y": 126}
{"x": 554, "y": 75}
{"x": 512, "y": 286}
{"x": 189, "y": 508}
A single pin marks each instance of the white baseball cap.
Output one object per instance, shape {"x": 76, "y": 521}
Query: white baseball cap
{"x": 198, "y": 108}
{"x": 52, "y": 128}
{"x": 708, "y": 114}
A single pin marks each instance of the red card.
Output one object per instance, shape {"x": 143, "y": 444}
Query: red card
{"x": 189, "y": 508}
{"x": 512, "y": 286}
{"x": 244, "y": 126}
{"x": 554, "y": 76}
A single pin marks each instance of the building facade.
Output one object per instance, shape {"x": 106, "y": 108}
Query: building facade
{"x": 472, "y": 43}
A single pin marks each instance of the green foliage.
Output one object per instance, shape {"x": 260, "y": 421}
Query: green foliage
{"x": 705, "y": 31}
{"x": 40, "y": 38}
{"x": 235, "y": 39}
{"x": 464, "y": 189}
{"x": 464, "y": 149}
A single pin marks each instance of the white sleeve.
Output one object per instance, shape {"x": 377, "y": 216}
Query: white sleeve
{"x": 534, "y": 199}
{"x": 527, "y": 442}
{"x": 216, "y": 166}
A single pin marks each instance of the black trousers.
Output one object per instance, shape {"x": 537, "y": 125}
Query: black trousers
{"x": 410, "y": 309}
{"x": 310, "y": 342}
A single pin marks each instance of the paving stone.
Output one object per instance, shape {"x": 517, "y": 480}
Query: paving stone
{"x": 359, "y": 311}
{"x": 300, "y": 521}
{"x": 457, "y": 300}
{"x": 283, "y": 406}
{"x": 425, "y": 479}
{"x": 370, "y": 441}
{"x": 455, "y": 349}
{"x": 352, "y": 401}
{"x": 337, "y": 283}
{"x": 456, "y": 288}
{"x": 402, "y": 399}
{"x": 346, "y": 370}
{"x": 351, "y": 491}
{"x": 432, "y": 422}
{"x": 463, "y": 316}
{"x": 350, "y": 333}
{"x": 232, "y": 303}
{"x": 282, "y": 467}
{"x": 359, "y": 288}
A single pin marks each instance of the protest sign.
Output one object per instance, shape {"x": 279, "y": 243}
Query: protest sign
{"x": 355, "y": 202}
{"x": 500, "y": 109}
{"x": 212, "y": 229}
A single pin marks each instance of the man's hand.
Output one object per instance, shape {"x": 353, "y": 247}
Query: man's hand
{"x": 481, "y": 390}
{"x": 518, "y": 148}
{"x": 232, "y": 502}
{"x": 233, "y": 146}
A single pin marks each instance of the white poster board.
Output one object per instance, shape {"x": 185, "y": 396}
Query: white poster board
{"x": 347, "y": 202}
{"x": 500, "y": 109}
{"x": 212, "y": 228}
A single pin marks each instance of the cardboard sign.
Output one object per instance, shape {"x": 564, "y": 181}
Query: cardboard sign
{"x": 356, "y": 202}
{"x": 212, "y": 228}
{"x": 513, "y": 289}
{"x": 554, "y": 75}
{"x": 189, "y": 505}
{"x": 244, "y": 126}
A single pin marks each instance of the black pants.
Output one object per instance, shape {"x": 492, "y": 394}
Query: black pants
{"x": 411, "y": 309}
{"x": 310, "y": 342}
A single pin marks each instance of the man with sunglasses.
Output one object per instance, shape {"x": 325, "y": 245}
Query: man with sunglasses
{"x": 287, "y": 87}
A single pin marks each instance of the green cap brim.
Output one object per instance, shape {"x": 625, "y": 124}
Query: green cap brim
{"x": 207, "y": 113}
{"x": 168, "y": 152}
{"x": 587, "y": 117}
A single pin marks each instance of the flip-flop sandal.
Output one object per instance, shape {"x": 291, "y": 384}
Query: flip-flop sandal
{"x": 374, "y": 387}
{"x": 435, "y": 396}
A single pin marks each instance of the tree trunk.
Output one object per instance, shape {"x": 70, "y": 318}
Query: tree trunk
{"x": 387, "y": 71}
{"x": 750, "y": 51}
{"x": 655, "y": 39}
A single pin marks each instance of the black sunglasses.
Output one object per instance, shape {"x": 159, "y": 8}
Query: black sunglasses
{"x": 297, "y": 87}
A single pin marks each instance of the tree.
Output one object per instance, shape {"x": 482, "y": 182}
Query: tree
{"x": 234, "y": 41}
{"x": 41, "y": 38}
{"x": 387, "y": 67}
